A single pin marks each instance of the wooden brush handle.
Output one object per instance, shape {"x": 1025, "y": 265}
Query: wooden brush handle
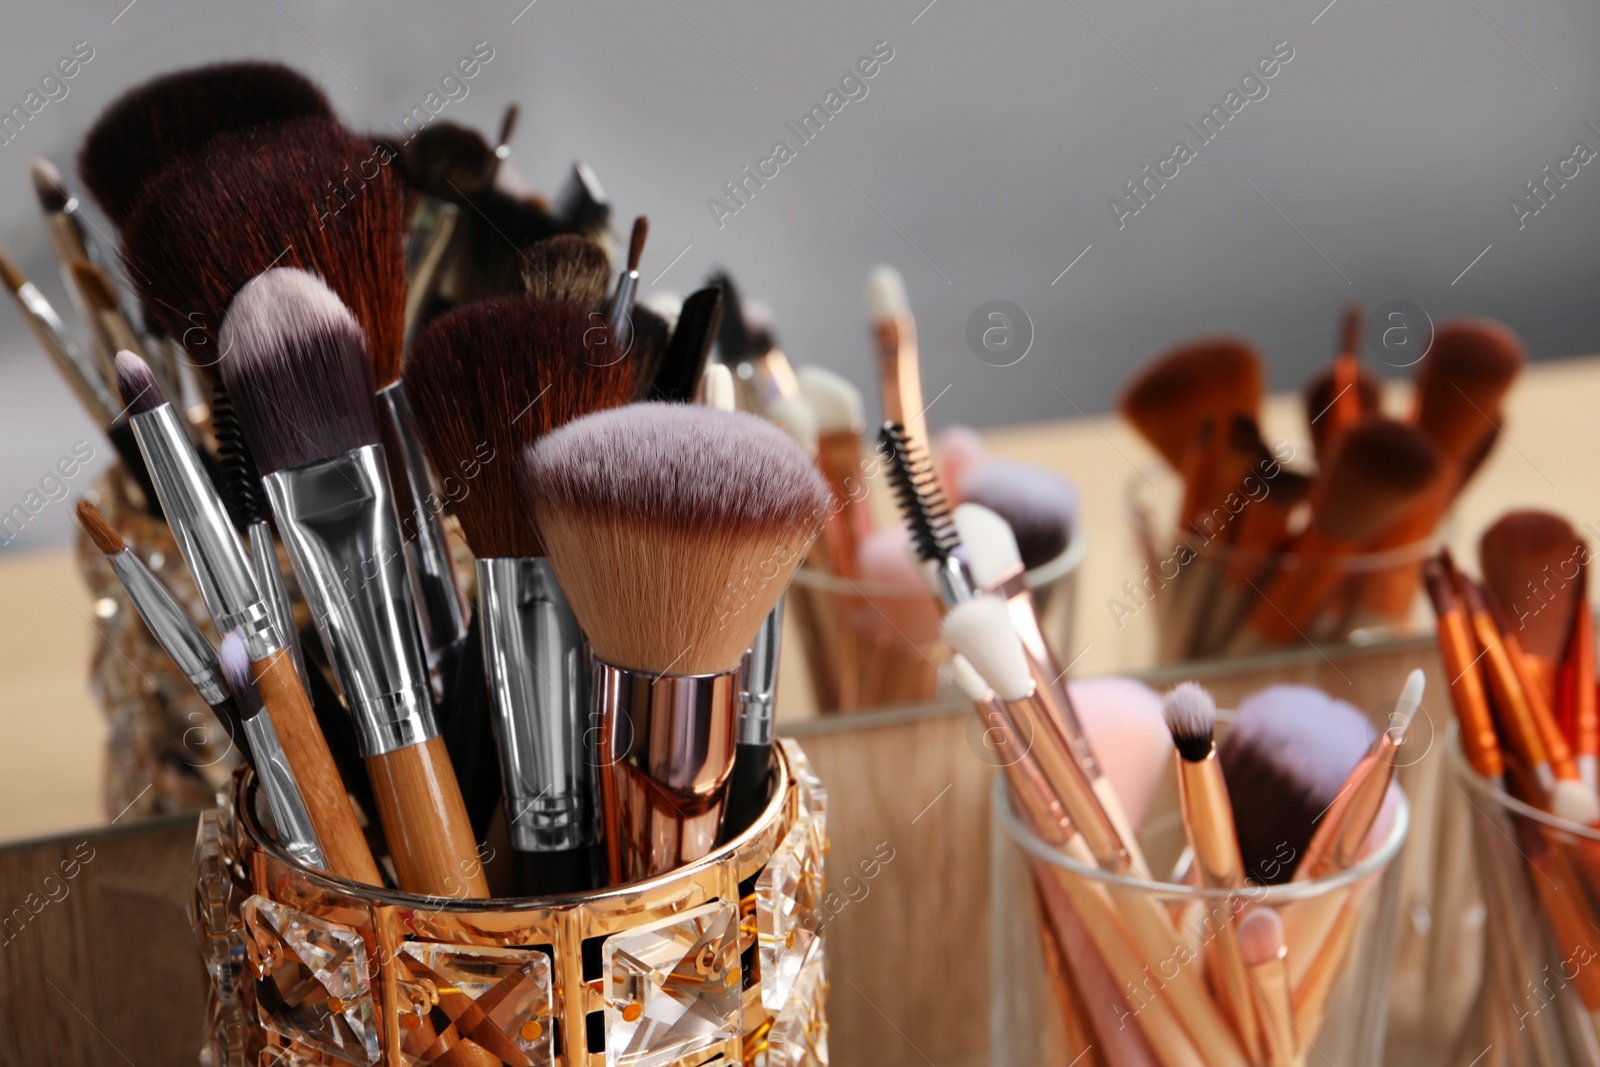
{"x": 425, "y": 820}
{"x": 332, "y": 817}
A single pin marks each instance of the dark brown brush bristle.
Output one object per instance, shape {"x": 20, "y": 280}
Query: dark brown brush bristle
{"x": 641, "y": 230}
{"x": 647, "y": 343}
{"x": 673, "y": 529}
{"x": 1461, "y": 381}
{"x": 158, "y": 122}
{"x": 733, "y": 340}
{"x": 1319, "y": 396}
{"x": 291, "y": 195}
{"x": 137, "y": 384}
{"x": 498, "y": 226}
{"x": 1531, "y": 562}
{"x": 567, "y": 267}
{"x": 1379, "y": 469}
{"x": 447, "y": 161}
{"x": 1165, "y": 401}
{"x": 1191, "y": 716}
{"x": 684, "y": 361}
{"x": 13, "y": 278}
{"x": 107, "y": 540}
{"x": 1350, "y": 323}
{"x": 1285, "y": 756}
{"x": 49, "y": 186}
{"x": 297, "y": 371}
{"x": 237, "y": 671}
{"x": 490, "y": 379}
{"x": 96, "y": 287}
{"x": 508, "y": 123}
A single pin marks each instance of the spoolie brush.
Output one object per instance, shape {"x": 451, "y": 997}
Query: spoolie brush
{"x": 916, "y": 487}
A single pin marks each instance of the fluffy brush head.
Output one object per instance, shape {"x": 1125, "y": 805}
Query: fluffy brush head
{"x": 1378, "y": 472}
{"x": 1191, "y": 716}
{"x": 1285, "y": 756}
{"x": 980, "y": 629}
{"x": 292, "y": 195}
{"x": 155, "y": 123}
{"x": 699, "y": 323}
{"x": 238, "y": 673}
{"x": 1166, "y": 400}
{"x": 1039, "y": 505}
{"x": 1469, "y": 369}
{"x": 49, "y": 186}
{"x": 674, "y": 529}
{"x": 836, "y": 401}
{"x": 1531, "y": 563}
{"x": 796, "y": 417}
{"x": 492, "y": 378}
{"x": 497, "y": 226}
{"x": 1320, "y": 393}
{"x": 297, "y": 371}
{"x": 991, "y": 545}
{"x": 717, "y": 392}
{"x": 107, "y": 540}
{"x": 567, "y": 267}
{"x": 447, "y": 161}
{"x": 137, "y": 384}
{"x": 917, "y": 491}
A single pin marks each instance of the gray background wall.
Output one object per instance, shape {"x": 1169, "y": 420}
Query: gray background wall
{"x": 1378, "y": 166}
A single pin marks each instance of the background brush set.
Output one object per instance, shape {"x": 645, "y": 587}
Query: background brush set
{"x": 1520, "y": 648}
{"x": 271, "y": 257}
{"x": 1311, "y": 786}
{"x": 1265, "y": 556}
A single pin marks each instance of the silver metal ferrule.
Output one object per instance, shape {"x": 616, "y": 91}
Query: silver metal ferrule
{"x": 295, "y": 831}
{"x": 955, "y": 581}
{"x": 205, "y": 536}
{"x": 758, "y": 681}
{"x": 427, "y": 553}
{"x": 666, "y": 748}
{"x": 336, "y": 517}
{"x": 174, "y": 629}
{"x": 538, "y": 673}
{"x": 269, "y": 576}
{"x": 622, "y": 307}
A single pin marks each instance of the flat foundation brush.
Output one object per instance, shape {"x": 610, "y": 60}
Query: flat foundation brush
{"x": 492, "y": 379}
{"x": 673, "y": 530}
{"x": 682, "y": 365}
{"x": 301, "y": 382}
{"x": 200, "y": 526}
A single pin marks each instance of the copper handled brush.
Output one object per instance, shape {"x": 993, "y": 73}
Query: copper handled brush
{"x": 233, "y": 598}
{"x": 1470, "y": 368}
{"x": 301, "y": 381}
{"x": 673, "y": 530}
{"x": 1344, "y": 394}
{"x": 894, "y": 335}
{"x": 1219, "y": 377}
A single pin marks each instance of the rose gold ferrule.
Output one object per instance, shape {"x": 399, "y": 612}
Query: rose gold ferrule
{"x": 1208, "y": 815}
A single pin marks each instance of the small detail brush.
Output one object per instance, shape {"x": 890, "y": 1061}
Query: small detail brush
{"x": 619, "y": 312}
{"x": 894, "y": 333}
{"x": 1265, "y": 955}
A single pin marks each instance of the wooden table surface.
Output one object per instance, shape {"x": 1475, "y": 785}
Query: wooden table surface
{"x": 51, "y": 763}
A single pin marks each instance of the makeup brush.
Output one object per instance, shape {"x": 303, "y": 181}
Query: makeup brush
{"x": 1375, "y": 477}
{"x": 841, "y": 421}
{"x": 1191, "y": 717}
{"x": 567, "y": 267}
{"x": 678, "y": 376}
{"x": 1166, "y": 400}
{"x": 498, "y": 225}
{"x": 208, "y": 545}
{"x": 63, "y": 223}
{"x": 1579, "y": 700}
{"x": 1262, "y": 946}
{"x": 1296, "y": 745}
{"x": 1531, "y": 562}
{"x": 582, "y": 204}
{"x": 797, "y": 419}
{"x": 717, "y": 392}
{"x": 1458, "y": 651}
{"x": 301, "y": 382}
{"x": 446, "y": 160}
{"x": 1513, "y": 713}
{"x": 768, "y": 370}
{"x": 894, "y": 333}
{"x": 166, "y": 118}
{"x": 1039, "y": 505}
{"x": 1469, "y": 370}
{"x": 295, "y": 830}
{"x": 492, "y": 379}
{"x": 673, "y": 530}
{"x": 620, "y": 308}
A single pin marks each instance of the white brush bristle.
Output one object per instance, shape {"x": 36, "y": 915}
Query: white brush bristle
{"x": 968, "y": 680}
{"x": 886, "y": 294}
{"x": 716, "y": 388}
{"x": 991, "y": 546}
{"x": 1575, "y": 802}
{"x": 234, "y": 660}
{"x": 797, "y": 418}
{"x": 836, "y": 401}
{"x": 1191, "y": 716}
{"x": 279, "y": 306}
{"x": 1260, "y": 936}
{"x": 1410, "y": 701}
{"x": 981, "y": 630}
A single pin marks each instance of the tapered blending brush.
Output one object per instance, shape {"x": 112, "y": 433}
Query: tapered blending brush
{"x": 567, "y": 267}
{"x": 673, "y": 530}
{"x": 301, "y": 382}
{"x": 620, "y": 309}
{"x": 1165, "y": 401}
{"x": 1262, "y": 946}
{"x": 63, "y": 222}
{"x": 208, "y": 545}
{"x": 1191, "y": 716}
{"x": 295, "y": 829}
{"x": 1469, "y": 370}
{"x": 168, "y": 117}
{"x": 894, "y": 334}
{"x": 491, "y": 379}
{"x": 684, "y": 361}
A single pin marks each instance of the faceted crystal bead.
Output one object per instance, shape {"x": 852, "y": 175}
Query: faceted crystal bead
{"x": 311, "y": 981}
{"x": 672, "y": 987}
{"x": 788, "y": 893}
{"x": 799, "y": 1035}
{"x": 499, "y": 999}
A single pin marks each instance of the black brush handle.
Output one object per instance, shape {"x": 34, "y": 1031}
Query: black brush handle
{"x": 749, "y": 788}
{"x": 467, "y": 726}
{"x": 561, "y": 873}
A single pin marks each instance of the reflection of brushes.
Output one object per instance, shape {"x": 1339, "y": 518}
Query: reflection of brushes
{"x": 208, "y": 545}
{"x": 620, "y": 310}
{"x": 1191, "y": 716}
{"x": 295, "y": 829}
{"x": 301, "y": 382}
{"x": 682, "y": 364}
{"x": 673, "y": 529}
{"x": 894, "y": 333}
{"x": 1262, "y": 946}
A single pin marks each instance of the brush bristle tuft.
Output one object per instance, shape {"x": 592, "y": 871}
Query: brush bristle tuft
{"x": 1216, "y": 376}
{"x": 1574, "y": 801}
{"x": 1260, "y": 936}
{"x": 1039, "y": 505}
{"x": 673, "y": 529}
{"x": 916, "y": 489}
{"x": 107, "y": 540}
{"x": 567, "y": 267}
{"x": 733, "y": 339}
{"x": 716, "y": 391}
{"x": 297, "y": 371}
{"x": 641, "y": 231}
{"x": 238, "y": 672}
{"x": 837, "y": 402}
{"x": 991, "y": 547}
{"x": 49, "y": 186}
{"x": 980, "y": 629}
{"x": 1191, "y": 717}
{"x": 1531, "y": 562}
{"x": 1376, "y": 474}
{"x": 137, "y": 384}
{"x": 13, "y": 278}
{"x": 793, "y": 414}
{"x": 886, "y": 294}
